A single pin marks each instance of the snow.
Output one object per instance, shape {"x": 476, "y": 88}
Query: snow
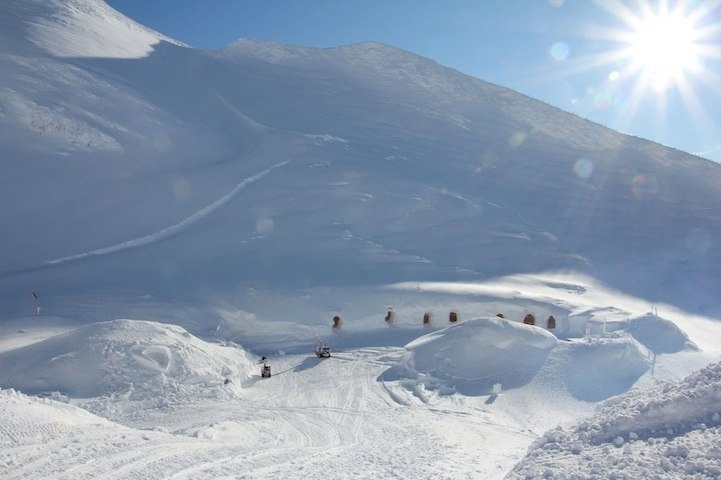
{"x": 92, "y": 361}
{"x": 90, "y": 28}
{"x": 173, "y": 229}
{"x": 506, "y": 352}
{"x": 127, "y": 398}
{"x": 669, "y": 431}
{"x": 178, "y": 214}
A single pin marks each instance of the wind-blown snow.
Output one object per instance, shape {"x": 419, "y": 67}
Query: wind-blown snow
{"x": 90, "y": 28}
{"x": 474, "y": 356}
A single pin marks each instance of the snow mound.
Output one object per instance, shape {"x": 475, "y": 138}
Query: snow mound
{"x": 90, "y": 28}
{"x": 130, "y": 357}
{"x": 601, "y": 368}
{"x": 473, "y": 356}
{"x": 669, "y": 431}
{"x": 659, "y": 335}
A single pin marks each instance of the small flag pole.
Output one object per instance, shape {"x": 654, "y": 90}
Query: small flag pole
{"x": 37, "y": 306}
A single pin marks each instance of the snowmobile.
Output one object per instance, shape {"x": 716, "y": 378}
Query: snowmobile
{"x": 321, "y": 349}
{"x": 265, "y": 368}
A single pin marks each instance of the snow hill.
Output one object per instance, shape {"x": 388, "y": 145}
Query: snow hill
{"x": 95, "y": 360}
{"x": 172, "y": 215}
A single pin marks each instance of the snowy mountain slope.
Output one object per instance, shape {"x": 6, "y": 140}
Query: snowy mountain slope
{"x": 398, "y": 169}
{"x": 244, "y": 196}
{"x": 78, "y": 28}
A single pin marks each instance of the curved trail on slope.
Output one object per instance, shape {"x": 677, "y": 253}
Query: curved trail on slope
{"x": 173, "y": 229}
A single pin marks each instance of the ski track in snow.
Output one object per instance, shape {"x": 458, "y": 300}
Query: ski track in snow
{"x": 173, "y": 229}
{"x": 331, "y": 416}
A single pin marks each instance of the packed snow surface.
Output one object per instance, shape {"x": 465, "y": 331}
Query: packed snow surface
{"x": 128, "y": 398}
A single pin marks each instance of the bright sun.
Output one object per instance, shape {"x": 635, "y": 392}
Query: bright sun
{"x": 663, "y": 49}
{"x": 662, "y": 43}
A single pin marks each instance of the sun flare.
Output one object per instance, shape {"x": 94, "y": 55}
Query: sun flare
{"x": 664, "y": 49}
{"x": 655, "y": 54}
{"x": 661, "y": 44}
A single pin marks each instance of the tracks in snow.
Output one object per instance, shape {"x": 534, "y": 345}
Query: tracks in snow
{"x": 332, "y": 418}
{"x": 171, "y": 230}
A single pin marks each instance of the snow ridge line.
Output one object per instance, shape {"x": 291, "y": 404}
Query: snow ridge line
{"x": 171, "y": 230}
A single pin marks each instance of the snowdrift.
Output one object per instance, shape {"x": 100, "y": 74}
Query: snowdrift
{"x": 672, "y": 431}
{"x": 473, "y": 356}
{"x": 596, "y": 369}
{"x": 659, "y": 335}
{"x": 19, "y": 411}
{"x": 140, "y": 359}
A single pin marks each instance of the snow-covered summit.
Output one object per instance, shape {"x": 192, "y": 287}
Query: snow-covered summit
{"x": 80, "y": 28}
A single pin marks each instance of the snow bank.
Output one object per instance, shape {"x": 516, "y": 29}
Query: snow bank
{"x": 669, "y": 431}
{"x": 601, "y": 368}
{"x": 19, "y": 411}
{"x": 473, "y": 356}
{"x": 134, "y": 358}
{"x": 659, "y": 335}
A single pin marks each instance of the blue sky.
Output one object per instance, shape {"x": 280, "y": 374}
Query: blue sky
{"x": 648, "y": 68}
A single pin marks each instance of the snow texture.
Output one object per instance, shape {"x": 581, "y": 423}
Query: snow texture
{"x": 172, "y": 215}
{"x": 670, "y": 431}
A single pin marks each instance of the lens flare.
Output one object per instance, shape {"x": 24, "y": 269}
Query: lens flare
{"x": 162, "y": 142}
{"x": 517, "y": 139}
{"x": 583, "y": 168}
{"x": 603, "y": 100}
{"x": 181, "y": 189}
{"x": 560, "y": 51}
{"x": 644, "y": 186}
